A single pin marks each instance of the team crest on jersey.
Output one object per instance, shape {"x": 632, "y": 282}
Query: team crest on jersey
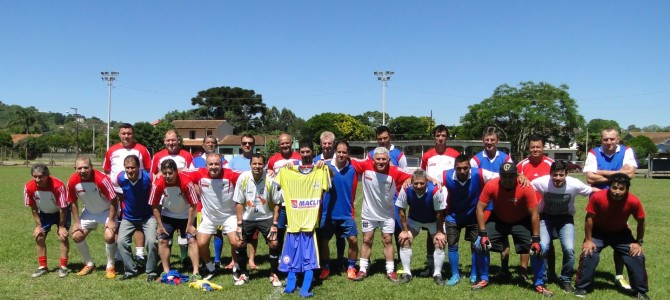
{"x": 286, "y": 259}
{"x": 316, "y": 185}
{"x": 301, "y": 204}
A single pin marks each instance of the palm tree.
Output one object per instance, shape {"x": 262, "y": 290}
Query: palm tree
{"x": 28, "y": 120}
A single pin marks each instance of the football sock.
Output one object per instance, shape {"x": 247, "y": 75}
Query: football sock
{"x": 483, "y": 265}
{"x": 538, "y": 267}
{"x": 473, "y": 264}
{"x": 390, "y": 265}
{"x": 218, "y": 248}
{"x": 242, "y": 259}
{"x": 324, "y": 264}
{"x": 139, "y": 251}
{"x": 63, "y": 262}
{"x": 307, "y": 284}
{"x": 85, "y": 252}
{"x": 183, "y": 247}
{"x": 405, "y": 259}
{"x": 42, "y": 261}
{"x": 352, "y": 263}
{"x": 438, "y": 261}
{"x": 430, "y": 262}
{"x": 290, "y": 283}
{"x": 453, "y": 259}
{"x": 274, "y": 261}
{"x": 110, "y": 250}
{"x": 210, "y": 266}
{"x": 364, "y": 264}
{"x": 340, "y": 244}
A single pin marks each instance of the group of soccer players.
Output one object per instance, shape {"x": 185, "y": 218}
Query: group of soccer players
{"x": 299, "y": 202}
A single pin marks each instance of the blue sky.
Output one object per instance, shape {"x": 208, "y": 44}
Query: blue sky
{"x": 317, "y": 56}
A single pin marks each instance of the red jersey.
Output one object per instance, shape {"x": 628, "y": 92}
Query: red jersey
{"x": 277, "y": 161}
{"x": 95, "y": 193}
{"x": 184, "y": 160}
{"x": 612, "y": 216}
{"x": 533, "y": 171}
{"x": 113, "y": 163}
{"x": 49, "y": 199}
{"x": 509, "y": 206}
{"x": 174, "y": 198}
{"x": 435, "y": 163}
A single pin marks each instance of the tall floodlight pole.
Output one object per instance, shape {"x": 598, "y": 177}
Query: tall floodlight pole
{"x": 383, "y": 77}
{"x": 109, "y": 77}
{"x": 76, "y": 119}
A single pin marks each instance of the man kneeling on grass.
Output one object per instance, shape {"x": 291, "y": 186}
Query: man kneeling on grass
{"x": 606, "y": 225}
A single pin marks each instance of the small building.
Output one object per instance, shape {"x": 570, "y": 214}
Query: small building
{"x": 193, "y": 132}
{"x": 230, "y": 144}
{"x": 660, "y": 139}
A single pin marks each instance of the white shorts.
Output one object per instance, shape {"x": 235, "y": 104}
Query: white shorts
{"x": 208, "y": 227}
{"x": 387, "y": 226}
{"x": 90, "y": 221}
{"x": 415, "y": 227}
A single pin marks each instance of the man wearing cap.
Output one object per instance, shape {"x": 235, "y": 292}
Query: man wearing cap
{"x": 514, "y": 213}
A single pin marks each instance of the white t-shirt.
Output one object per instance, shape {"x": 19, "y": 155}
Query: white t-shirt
{"x": 559, "y": 201}
{"x": 255, "y": 197}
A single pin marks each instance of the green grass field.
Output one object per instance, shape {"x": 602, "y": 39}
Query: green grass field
{"x": 18, "y": 261}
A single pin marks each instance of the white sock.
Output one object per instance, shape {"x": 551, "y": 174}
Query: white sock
{"x": 405, "y": 259}
{"x": 210, "y": 266}
{"x": 438, "y": 261}
{"x": 110, "y": 250}
{"x": 390, "y": 267}
{"x": 139, "y": 251}
{"x": 85, "y": 252}
{"x": 363, "y": 263}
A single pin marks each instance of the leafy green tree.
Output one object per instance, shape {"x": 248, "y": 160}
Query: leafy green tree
{"x": 518, "y": 112}
{"x": 242, "y": 108}
{"x": 191, "y": 114}
{"x": 373, "y": 119}
{"x": 149, "y": 136}
{"x": 595, "y": 128}
{"x": 32, "y": 148}
{"x": 642, "y": 146}
{"x": 6, "y": 140}
{"x": 411, "y": 128}
{"x": 342, "y": 125}
{"x": 28, "y": 120}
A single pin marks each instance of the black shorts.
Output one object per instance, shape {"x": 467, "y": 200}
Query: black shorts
{"x": 250, "y": 228}
{"x": 499, "y": 231}
{"x": 171, "y": 225}
{"x": 454, "y": 232}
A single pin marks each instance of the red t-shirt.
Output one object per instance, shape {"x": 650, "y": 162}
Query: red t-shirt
{"x": 612, "y": 216}
{"x": 509, "y": 206}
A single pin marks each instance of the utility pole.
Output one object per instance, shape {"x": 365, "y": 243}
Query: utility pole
{"x": 384, "y": 77}
{"x": 76, "y": 119}
{"x": 109, "y": 77}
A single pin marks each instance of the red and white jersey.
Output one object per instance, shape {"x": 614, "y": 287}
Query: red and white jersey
{"x": 113, "y": 163}
{"x": 216, "y": 194}
{"x": 184, "y": 160}
{"x": 96, "y": 194}
{"x": 48, "y": 200}
{"x": 533, "y": 171}
{"x": 277, "y": 161}
{"x": 435, "y": 163}
{"x": 379, "y": 189}
{"x": 175, "y": 198}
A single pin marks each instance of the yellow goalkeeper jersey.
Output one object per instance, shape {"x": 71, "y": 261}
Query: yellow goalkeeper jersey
{"x": 302, "y": 193}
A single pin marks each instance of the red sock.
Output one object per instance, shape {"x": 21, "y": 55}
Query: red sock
{"x": 42, "y": 261}
{"x": 63, "y": 262}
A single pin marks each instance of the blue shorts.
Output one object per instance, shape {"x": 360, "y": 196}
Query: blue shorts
{"x": 49, "y": 220}
{"x": 343, "y": 229}
{"x": 281, "y": 220}
{"x": 172, "y": 224}
{"x": 300, "y": 253}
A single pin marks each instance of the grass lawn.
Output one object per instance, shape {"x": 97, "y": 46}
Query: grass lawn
{"x": 18, "y": 261}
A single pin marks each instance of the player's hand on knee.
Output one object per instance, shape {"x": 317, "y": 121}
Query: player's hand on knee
{"x": 405, "y": 237}
{"x": 62, "y": 233}
{"x": 272, "y": 236}
{"x": 482, "y": 243}
{"x": 39, "y": 231}
{"x": 588, "y": 247}
{"x": 635, "y": 249}
{"x": 440, "y": 240}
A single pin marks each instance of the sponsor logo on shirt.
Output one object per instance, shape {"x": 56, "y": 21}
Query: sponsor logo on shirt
{"x": 368, "y": 177}
{"x": 301, "y": 204}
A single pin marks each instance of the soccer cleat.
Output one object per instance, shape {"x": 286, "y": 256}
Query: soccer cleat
{"x": 622, "y": 282}
{"x": 454, "y": 280}
{"x": 426, "y": 272}
{"x": 404, "y": 278}
{"x": 127, "y": 276}
{"x": 473, "y": 279}
{"x": 541, "y": 289}
{"x": 325, "y": 272}
{"x": 86, "y": 270}
{"x": 480, "y": 285}
{"x": 217, "y": 265}
{"x": 62, "y": 272}
{"x": 580, "y": 293}
{"x": 400, "y": 269}
{"x": 194, "y": 277}
{"x": 504, "y": 275}
{"x": 152, "y": 278}
{"x": 207, "y": 275}
{"x": 110, "y": 273}
{"x": 275, "y": 280}
{"x": 360, "y": 276}
{"x": 567, "y": 286}
{"x": 351, "y": 273}
{"x": 642, "y": 296}
{"x": 393, "y": 276}
{"x": 241, "y": 280}
{"x": 523, "y": 274}
{"x": 39, "y": 272}
{"x": 437, "y": 278}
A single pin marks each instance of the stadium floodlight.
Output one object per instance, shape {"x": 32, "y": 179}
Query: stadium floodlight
{"x": 109, "y": 77}
{"x": 76, "y": 119}
{"x": 384, "y": 77}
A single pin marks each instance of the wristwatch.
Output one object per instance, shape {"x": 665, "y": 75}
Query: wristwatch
{"x": 640, "y": 241}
